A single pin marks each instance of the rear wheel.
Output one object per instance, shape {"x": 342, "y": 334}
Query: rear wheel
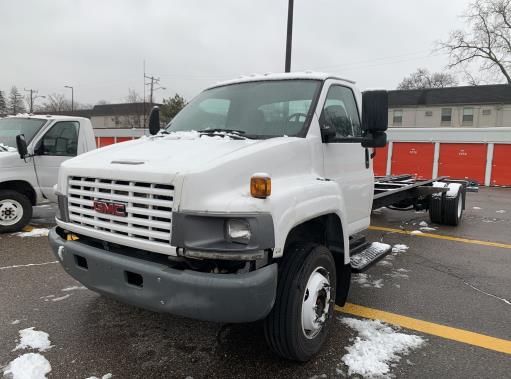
{"x": 15, "y": 211}
{"x": 298, "y": 324}
{"x": 453, "y": 209}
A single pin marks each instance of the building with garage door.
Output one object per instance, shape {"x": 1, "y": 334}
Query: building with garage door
{"x": 469, "y": 106}
{"x": 460, "y": 132}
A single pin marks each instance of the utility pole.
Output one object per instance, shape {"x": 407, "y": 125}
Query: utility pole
{"x": 289, "y": 39}
{"x": 72, "y": 97}
{"x": 33, "y": 96}
{"x": 152, "y": 82}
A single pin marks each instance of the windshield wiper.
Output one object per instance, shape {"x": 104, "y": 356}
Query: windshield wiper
{"x": 232, "y": 132}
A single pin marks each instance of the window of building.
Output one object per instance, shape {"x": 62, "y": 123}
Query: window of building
{"x": 468, "y": 116}
{"x": 486, "y": 112}
{"x": 446, "y": 116}
{"x": 397, "y": 118}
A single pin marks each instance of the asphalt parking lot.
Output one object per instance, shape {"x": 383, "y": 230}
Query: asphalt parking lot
{"x": 453, "y": 285}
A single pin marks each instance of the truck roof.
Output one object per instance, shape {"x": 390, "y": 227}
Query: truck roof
{"x": 282, "y": 76}
{"x": 46, "y": 117}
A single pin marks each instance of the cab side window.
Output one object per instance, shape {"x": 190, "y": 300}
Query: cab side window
{"x": 60, "y": 140}
{"x": 340, "y": 112}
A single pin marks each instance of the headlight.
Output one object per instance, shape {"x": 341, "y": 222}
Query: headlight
{"x": 62, "y": 210}
{"x": 238, "y": 231}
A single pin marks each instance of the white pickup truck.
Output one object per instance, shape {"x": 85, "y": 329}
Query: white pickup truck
{"x": 31, "y": 151}
{"x": 243, "y": 208}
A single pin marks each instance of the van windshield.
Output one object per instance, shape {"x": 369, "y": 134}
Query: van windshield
{"x": 259, "y": 109}
{"x": 11, "y": 127}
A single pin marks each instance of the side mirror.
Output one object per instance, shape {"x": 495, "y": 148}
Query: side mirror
{"x": 154, "y": 121}
{"x": 21, "y": 144}
{"x": 376, "y": 139}
{"x": 327, "y": 132}
{"x": 375, "y": 111}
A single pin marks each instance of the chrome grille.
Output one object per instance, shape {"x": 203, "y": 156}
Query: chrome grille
{"x": 148, "y": 208}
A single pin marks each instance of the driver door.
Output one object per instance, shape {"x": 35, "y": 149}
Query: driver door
{"x": 345, "y": 160}
{"x": 57, "y": 145}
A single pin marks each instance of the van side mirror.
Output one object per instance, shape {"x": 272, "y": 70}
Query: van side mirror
{"x": 154, "y": 121}
{"x": 327, "y": 132}
{"x": 21, "y": 144}
{"x": 375, "y": 111}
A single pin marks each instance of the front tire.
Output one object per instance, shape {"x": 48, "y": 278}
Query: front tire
{"x": 298, "y": 325}
{"x": 15, "y": 211}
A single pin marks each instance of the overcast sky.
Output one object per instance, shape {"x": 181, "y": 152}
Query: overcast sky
{"x": 99, "y": 46}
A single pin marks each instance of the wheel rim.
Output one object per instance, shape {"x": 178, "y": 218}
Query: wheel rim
{"x": 460, "y": 207}
{"x": 316, "y": 303}
{"x": 10, "y": 212}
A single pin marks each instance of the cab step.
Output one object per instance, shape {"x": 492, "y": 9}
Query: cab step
{"x": 369, "y": 256}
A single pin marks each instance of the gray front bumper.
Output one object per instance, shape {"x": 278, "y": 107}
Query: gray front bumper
{"x": 211, "y": 297}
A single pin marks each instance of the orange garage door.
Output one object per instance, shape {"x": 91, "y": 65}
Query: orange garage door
{"x": 105, "y": 141}
{"x": 413, "y": 158}
{"x": 380, "y": 161}
{"x": 463, "y": 161}
{"x": 501, "y": 167}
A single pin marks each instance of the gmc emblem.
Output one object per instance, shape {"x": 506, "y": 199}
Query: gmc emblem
{"x": 115, "y": 209}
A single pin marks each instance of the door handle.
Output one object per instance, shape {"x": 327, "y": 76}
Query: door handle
{"x": 367, "y": 157}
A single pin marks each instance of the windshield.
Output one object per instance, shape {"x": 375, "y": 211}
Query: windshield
{"x": 255, "y": 109}
{"x": 11, "y": 127}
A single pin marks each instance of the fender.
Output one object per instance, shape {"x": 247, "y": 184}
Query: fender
{"x": 326, "y": 199}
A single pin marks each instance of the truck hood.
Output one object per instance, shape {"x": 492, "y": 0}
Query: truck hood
{"x": 158, "y": 158}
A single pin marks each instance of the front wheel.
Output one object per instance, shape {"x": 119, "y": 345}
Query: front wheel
{"x": 15, "y": 211}
{"x": 297, "y": 327}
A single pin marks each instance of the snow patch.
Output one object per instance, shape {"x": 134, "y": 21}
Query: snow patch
{"x": 477, "y": 208}
{"x": 36, "y": 232}
{"x": 73, "y": 288}
{"x": 7, "y": 148}
{"x": 415, "y": 232}
{"x": 28, "y": 366}
{"x": 399, "y": 248}
{"x": 376, "y": 347}
{"x": 427, "y": 229}
{"x": 501, "y": 211}
{"x": 106, "y": 376}
{"x": 15, "y": 322}
{"x": 384, "y": 262}
{"x": 400, "y": 273}
{"x": 365, "y": 281}
{"x": 33, "y": 339}
{"x": 423, "y": 223}
{"x": 61, "y": 298}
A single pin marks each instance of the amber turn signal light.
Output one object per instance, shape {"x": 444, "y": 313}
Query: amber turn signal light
{"x": 260, "y": 186}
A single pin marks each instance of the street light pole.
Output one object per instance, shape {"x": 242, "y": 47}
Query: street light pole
{"x": 289, "y": 40}
{"x": 72, "y": 97}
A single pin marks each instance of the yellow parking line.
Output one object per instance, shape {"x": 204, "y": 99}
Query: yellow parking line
{"x": 442, "y": 237}
{"x": 447, "y": 332}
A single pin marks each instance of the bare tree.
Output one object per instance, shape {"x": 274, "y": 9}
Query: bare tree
{"x": 422, "y": 78}
{"x": 487, "y": 42}
{"x": 56, "y": 102}
{"x": 133, "y": 120}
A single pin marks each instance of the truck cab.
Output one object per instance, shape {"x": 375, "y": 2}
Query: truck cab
{"x": 240, "y": 209}
{"x": 27, "y": 178}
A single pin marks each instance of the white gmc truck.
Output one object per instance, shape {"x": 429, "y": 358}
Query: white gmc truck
{"x": 31, "y": 151}
{"x": 245, "y": 207}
